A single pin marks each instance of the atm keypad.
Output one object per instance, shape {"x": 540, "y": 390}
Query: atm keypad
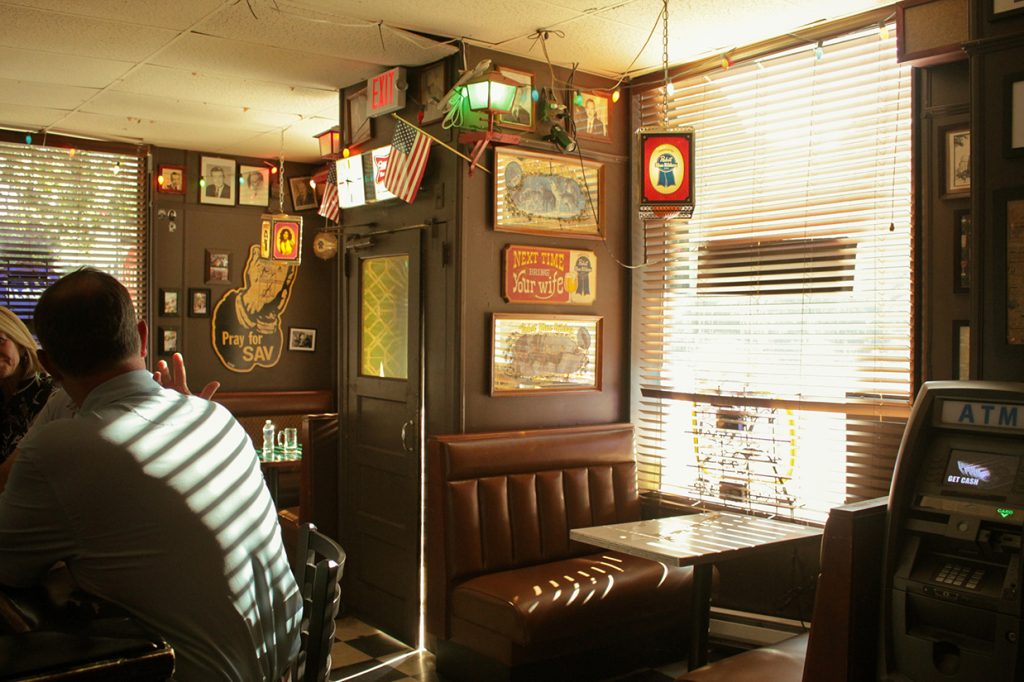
{"x": 959, "y": 575}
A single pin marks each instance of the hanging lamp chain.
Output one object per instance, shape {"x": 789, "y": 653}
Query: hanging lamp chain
{"x": 664, "y": 61}
{"x": 280, "y": 176}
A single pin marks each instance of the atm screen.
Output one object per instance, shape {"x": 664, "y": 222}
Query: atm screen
{"x": 980, "y": 472}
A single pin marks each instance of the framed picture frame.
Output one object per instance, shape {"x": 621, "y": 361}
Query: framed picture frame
{"x": 199, "y": 302}
{"x": 666, "y": 171}
{"x": 170, "y": 304}
{"x": 167, "y": 341}
{"x": 218, "y": 186}
{"x": 1008, "y": 215}
{"x": 1001, "y": 9}
{"x": 1014, "y": 108}
{"x": 546, "y": 275}
{"x": 593, "y": 116}
{"x": 548, "y": 194}
{"x": 302, "y": 339}
{"x": 962, "y": 251}
{"x": 303, "y": 194}
{"x": 432, "y": 91}
{"x": 358, "y": 124}
{"x": 523, "y": 108}
{"x": 533, "y": 354}
{"x": 961, "y": 350}
{"x": 218, "y": 266}
{"x": 956, "y": 160}
{"x": 170, "y": 179}
{"x": 253, "y": 186}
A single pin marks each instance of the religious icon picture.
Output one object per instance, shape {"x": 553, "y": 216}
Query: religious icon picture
{"x": 281, "y": 238}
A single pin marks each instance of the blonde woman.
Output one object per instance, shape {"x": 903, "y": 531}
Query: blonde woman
{"x": 24, "y": 386}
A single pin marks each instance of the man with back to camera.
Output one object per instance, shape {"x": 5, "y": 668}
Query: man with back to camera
{"x": 154, "y": 499}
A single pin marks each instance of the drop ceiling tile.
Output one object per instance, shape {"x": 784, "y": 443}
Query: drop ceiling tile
{"x": 149, "y": 131}
{"x": 598, "y": 46}
{"x": 43, "y": 95}
{"x": 147, "y": 107}
{"x": 33, "y": 118}
{"x": 33, "y": 29}
{"x": 217, "y": 56}
{"x": 48, "y": 67}
{"x": 175, "y": 14}
{"x": 490, "y": 22}
{"x": 299, "y": 145}
{"x": 343, "y": 37}
{"x": 191, "y": 86}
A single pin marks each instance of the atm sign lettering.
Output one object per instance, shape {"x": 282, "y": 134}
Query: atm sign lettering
{"x": 992, "y": 415}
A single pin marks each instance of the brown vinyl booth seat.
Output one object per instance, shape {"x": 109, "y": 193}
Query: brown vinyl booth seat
{"x": 508, "y": 595}
{"x": 842, "y": 644}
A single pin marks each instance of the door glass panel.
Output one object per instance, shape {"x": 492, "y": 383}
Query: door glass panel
{"x": 384, "y": 336}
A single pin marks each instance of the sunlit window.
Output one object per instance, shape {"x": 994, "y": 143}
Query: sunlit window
{"x": 772, "y": 332}
{"x": 62, "y": 208}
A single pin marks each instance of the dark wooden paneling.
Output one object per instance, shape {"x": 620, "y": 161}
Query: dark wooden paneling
{"x": 256, "y": 403}
{"x": 179, "y": 263}
{"x": 481, "y": 284}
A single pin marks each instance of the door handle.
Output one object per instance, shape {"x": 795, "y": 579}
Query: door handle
{"x": 405, "y": 432}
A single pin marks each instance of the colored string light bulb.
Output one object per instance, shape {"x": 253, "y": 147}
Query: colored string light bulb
{"x": 819, "y": 51}
{"x": 202, "y": 182}
{"x": 273, "y": 170}
{"x": 616, "y": 95}
{"x": 312, "y": 183}
{"x": 578, "y": 99}
{"x": 883, "y": 31}
{"x": 160, "y": 180}
{"x": 726, "y": 63}
{"x": 535, "y": 95}
{"x": 28, "y": 139}
{"x": 346, "y": 152}
{"x": 670, "y": 88}
{"x": 241, "y": 180}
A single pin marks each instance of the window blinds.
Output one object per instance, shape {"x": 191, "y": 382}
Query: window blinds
{"x": 61, "y": 209}
{"x": 772, "y": 332}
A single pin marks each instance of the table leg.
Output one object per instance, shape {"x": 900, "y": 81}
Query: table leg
{"x": 700, "y": 615}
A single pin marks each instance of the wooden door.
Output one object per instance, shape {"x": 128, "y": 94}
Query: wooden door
{"x": 381, "y": 454}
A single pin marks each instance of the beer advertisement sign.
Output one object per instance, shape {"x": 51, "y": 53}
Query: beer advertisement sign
{"x": 538, "y": 274}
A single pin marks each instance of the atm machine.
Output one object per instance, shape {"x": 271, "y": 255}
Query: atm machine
{"x": 952, "y": 574}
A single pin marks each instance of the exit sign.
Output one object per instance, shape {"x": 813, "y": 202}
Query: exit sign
{"x": 386, "y": 91}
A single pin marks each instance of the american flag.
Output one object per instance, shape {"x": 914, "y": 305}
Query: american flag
{"x": 329, "y": 205}
{"x": 410, "y": 149}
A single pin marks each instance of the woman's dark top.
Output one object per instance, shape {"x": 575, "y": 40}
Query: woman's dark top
{"x": 17, "y": 413}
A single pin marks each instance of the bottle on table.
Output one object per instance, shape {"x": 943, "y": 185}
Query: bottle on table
{"x": 268, "y": 440}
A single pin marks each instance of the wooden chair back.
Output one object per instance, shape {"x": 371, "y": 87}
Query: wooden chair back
{"x": 318, "y": 565}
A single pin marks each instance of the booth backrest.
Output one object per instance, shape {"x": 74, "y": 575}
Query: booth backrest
{"x": 497, "y": 501}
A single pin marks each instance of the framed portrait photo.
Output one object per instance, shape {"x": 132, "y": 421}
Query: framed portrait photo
{"x": 253, "y": 185}
{"x": 545, "y": 353}
{"x": 523, "y": 109}
{"x": 170, "y": 179}
{"x": 169, "y": 303}
{"x": 956, "y": 161}
{"x": 167, "y": 341}
{"x": 301, "y": 339}
{"x": 432, "y": 92}
{"x": 199, "y": 303}
{"x": 303, "y": 195}
{"x": 1015, "y": 113}
{"x": 218, "y": 266}
{"x": 218, "y": 176}
{"x": 358, "y": 124}
{"x": 548, "y": 194}
{"x": 593, "y": 116}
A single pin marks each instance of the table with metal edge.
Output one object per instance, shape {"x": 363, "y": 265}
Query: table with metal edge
{"x": 697, "y": 540}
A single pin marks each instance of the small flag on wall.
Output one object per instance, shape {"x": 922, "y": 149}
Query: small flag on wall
{"x": 410, "y": 149}
{"x": 329, "y": 205}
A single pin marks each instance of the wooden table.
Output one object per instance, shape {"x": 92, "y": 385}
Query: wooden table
{"x": 280, "y": 462}
{"x": 697, "y": 540}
